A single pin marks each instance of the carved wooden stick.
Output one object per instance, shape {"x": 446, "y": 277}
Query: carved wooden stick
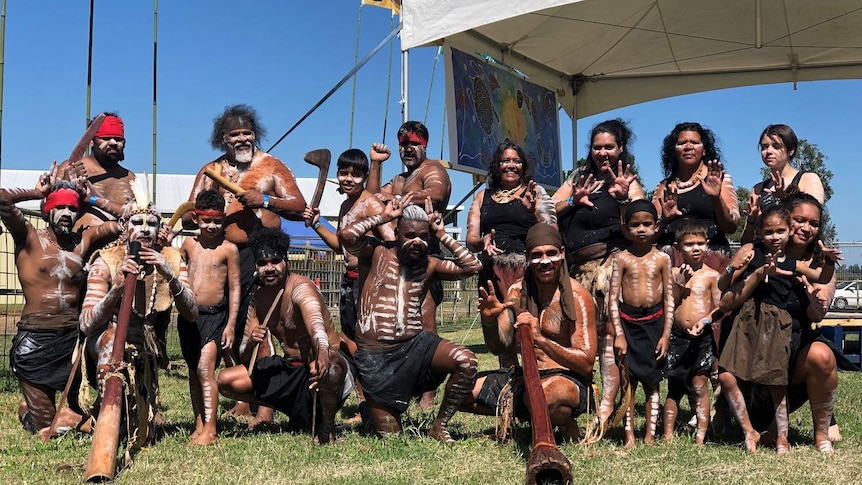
{"x": 546, "y": 463}
{"x": 102, "y": 462}
{"x": 212, "y": 173}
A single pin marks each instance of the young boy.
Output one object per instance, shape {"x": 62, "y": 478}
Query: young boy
{"x": 352, "y": 173}
{"x": 641, "y": 310}
{"x": 691, "y": 355}
{"x": 214, "y": 277}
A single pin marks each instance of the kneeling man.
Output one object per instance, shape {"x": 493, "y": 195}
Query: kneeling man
{"x": 290, "y": 307}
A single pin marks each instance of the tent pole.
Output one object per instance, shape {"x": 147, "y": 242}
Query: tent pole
{"x": 155, "y": 77}
{"x": 2, "y": 70}
{"x": 574, "y": 134}
{"x": 405, "y": 90}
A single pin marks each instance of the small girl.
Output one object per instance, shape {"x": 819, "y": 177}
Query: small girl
{"x": 758, "y": 346}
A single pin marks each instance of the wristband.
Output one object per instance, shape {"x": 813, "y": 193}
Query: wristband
{"x": 571, "y": 201}
{"x": 265, "y": 200}
{"x": 624, "y": 201}
{"x": 93, "y": 200}
{"x": 729, "y": 269}
{"x": 316, "y": 225}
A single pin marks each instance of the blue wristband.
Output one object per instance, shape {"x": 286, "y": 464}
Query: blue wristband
{"x": 266, "y": 200}
{"x": 93, "y": 200}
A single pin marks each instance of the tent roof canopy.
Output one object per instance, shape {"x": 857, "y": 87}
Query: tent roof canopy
{"x": 615, "y": 53}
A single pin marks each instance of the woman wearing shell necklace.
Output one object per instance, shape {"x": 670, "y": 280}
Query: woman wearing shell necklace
{"x": 696, "y": 187}
{"x": 500, "y": 217}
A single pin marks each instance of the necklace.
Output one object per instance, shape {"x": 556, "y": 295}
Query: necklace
{"x": 688, "y": 183}
{"x": 143, "y": 316}
{"x": 54, "y": 241}
{"x": 502, "y": 196}
{"x": 232, "y": 174}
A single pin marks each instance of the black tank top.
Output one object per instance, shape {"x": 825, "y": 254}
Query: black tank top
{"x": 696, "y": 205}
{"x": 510, "y": 221}
{"x": 584, "y": 225}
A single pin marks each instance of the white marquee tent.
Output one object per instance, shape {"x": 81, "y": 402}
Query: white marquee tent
{"x": 604, "y": 54}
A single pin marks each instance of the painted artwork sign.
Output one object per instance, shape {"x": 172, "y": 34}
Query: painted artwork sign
{"x": 487, "y": 104}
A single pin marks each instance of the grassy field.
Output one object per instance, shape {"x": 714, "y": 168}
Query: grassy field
{"x": 273, "y": 456}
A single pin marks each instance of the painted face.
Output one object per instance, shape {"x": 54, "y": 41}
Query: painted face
{"x": 774, "y": 232}
{"x": 210, "y": 226}
{"x": 351, "y": 181}
{"x": 640, "y": 226}
{"x": 804, "y": 224}
{"x": 239, "y": 145}
{"x": 692, "y": 247}
{"x": 413, "y": 240}
{"x": 271, "y": 270}
{"x": 773, "y": 152}
{"x": 511, "y": 168}
{"x": 412, "y": 153}
{"x": 689, "y": 148}
{"x": 604, "y": 151}
{"x": 108, "y": 151}
{"x": 143, "y": 228}
{"x": 62, "y": 218}
{"x": 545, "y": 263}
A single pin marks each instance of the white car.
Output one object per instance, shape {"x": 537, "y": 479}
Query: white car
{"x": 848, "y": 295}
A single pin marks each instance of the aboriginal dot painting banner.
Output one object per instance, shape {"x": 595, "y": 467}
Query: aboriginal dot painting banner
{"x": 487, "y": 104}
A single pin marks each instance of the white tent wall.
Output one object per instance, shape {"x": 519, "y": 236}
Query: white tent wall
{"x": 622, "y": 52}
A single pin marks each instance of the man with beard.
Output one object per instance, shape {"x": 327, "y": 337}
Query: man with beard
{"x": 425, "y": 178}
{"x": 290, "y": 307}
{"x": 270, "y": 191}
{"x": 396, "y": 359}
{"x": 109, "y": 182}
{"x": 162, "y": 281}
{"x": 561, "y": 317}
{"x": 50, "y": 269}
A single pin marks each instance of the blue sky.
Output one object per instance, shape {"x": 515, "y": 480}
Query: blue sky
{"x": 281, "y": 57}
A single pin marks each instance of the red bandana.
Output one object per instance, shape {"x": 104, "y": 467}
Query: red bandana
{"x": 413, "y": 138}
{"x": 112, "y": 127}
{"x": 209, "y": 212}
{"x": 60, "y": 197}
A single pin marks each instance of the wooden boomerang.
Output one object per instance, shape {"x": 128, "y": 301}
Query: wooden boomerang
{"x": 321, "y": 159}
{"x": 265, "y": 323}
{"x": 81, "y": 147}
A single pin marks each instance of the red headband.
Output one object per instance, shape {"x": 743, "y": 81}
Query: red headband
{"x": 209, "y": 212}
{"x": 414, "y": 138}
{"x": 60, "y": 197}
{"x": 112, "y": 127}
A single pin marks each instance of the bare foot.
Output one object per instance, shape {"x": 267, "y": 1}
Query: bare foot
{"x": 22, "y": 411}
{"x": 751, "y": 440}
{"x": 630, "y": 443}
{"x": 195, "y": 435}
{"x": 426, "y": 402}
{"x": 264, "y": 415}
{"x": 667, "y": 437}
{"x": 441, "y": 434}
{"x": 66, "y": 420}
{"x": 324, "y": 438}
{"x": 159, "y": 419}
{"x": 203, "y": 439}
{"x": 782, "y": 447}
{"x": 239, "y": 409}
{"x": 834, "y": 433}
{"x": 825, "y": 446}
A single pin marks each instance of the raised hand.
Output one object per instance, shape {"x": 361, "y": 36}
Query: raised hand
{"x": 712, "y": 181}
{"x": 832, "y": 255}
{"x": 778, "y": 187}
{"x": 490, "y": 246}
{"x": 683, "y": 274}
{"x": 669, "y": 208}
{"x": 753, "y": 208}
{"x": 489, "y": 306}
{"x": 435, "y": 220}
{"x": 157, "y": 260}
{"x": 582, "y": 189}
{"x": 528, "y": 199}
{"x": 380, "y": 152}
{"x": 47, "y": 179}
{"x": 621, "y": 181}
{"x": 742, "y": 257}
{"x": 395, "y": 207}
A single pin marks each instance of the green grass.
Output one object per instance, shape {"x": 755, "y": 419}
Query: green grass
{"x": 274, "y": 456}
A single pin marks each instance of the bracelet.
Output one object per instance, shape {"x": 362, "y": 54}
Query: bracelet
{"x": 92, "y": 200}
{"x": 316, "y": 225}
{"x": 625, "y": 201}
{"x": 729, "y": 269}
{"x": 571, "y": 201}
{"x": 265, "y": 200}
